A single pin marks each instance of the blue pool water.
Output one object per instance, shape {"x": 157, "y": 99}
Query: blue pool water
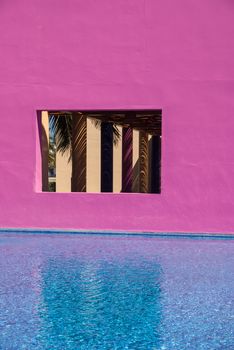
{"x": 107, "y": 292}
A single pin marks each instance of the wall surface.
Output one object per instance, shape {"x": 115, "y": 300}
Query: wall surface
{"x": 84, "y": 54}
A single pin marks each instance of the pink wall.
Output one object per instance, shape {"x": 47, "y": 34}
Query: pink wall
{"x": 77, "y": 54}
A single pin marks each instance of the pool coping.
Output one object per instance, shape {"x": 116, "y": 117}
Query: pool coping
{"x": 118, "y": 233}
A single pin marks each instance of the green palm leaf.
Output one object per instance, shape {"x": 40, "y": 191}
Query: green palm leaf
{"x": 61, "y": 126}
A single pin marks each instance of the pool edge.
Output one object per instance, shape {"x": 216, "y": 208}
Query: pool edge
{"x": 118, "y": 232}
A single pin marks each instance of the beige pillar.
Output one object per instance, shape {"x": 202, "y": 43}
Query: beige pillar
{"x": 136, "y": 162}
{"x": 63, "y": 172}
{"x": 143, "y": 158}
{"x": 79, "y": 133}
{"x": 93, "y": 157}
{"x": 149, "y": 161}
{"x": 117, "y": 165}
{"x": 127, "y": 157}
{"x": 45, "y": 149}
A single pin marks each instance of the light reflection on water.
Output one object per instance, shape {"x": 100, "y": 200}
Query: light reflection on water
{"x": 105, "y": 292}
{"x": 100, "y": 305}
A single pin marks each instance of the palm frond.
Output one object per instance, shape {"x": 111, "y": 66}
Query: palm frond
{"x": 61, "y": 126}
{"x": 52, "y": 154}
{"x": 116, "y": 134}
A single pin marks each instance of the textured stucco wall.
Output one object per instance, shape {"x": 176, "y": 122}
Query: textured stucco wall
{"x": 75, "y": 54}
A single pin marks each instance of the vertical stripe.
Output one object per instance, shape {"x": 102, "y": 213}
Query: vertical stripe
{"x": 45, "y": 149}
{"x": 117, "y": 164}
{"x": 93, "y": 156}
{"x": 127, "y": 159}
{"x": 106, "y": 157}
{"x": 143, "y": 158}
{"x": 155, "y": 185}
{"x": 79, "y": 132}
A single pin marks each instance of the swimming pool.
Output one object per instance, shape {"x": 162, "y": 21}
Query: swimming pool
{"x": 74, "y": 291}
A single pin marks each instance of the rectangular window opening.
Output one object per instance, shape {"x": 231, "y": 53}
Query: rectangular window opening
{"x": 100, "y": 151}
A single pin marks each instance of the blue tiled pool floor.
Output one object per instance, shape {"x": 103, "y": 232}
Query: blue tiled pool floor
{"x": 107, "y": 292}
